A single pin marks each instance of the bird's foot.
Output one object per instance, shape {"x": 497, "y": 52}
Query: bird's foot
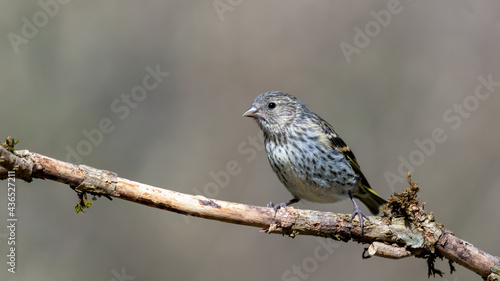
{"x": 277, "y": 206}
{"x": 357, "y": 212}
{"x": 282, "y": 205}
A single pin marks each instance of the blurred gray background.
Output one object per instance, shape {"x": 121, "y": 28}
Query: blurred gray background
{"x": 75, "y": 60}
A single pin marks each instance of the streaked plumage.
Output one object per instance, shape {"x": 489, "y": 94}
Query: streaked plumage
{"x": 308, "y": 156}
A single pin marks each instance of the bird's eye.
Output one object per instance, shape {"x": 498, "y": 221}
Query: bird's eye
{"x": 271, "y": 105}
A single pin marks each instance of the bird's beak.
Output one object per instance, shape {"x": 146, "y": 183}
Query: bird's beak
{"x": 253, "y": 112}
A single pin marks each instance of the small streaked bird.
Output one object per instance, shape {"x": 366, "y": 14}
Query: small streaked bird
{"x": 308, "y": 156}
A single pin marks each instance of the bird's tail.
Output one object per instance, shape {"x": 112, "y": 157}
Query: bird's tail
{"x": 370, "y": 198}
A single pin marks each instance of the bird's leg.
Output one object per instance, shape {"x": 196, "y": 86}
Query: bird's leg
{"x": 357, "y": 212}
{"x": 283, "y": 205}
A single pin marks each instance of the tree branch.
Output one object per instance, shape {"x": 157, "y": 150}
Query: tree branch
{"x": 404, "y": 230}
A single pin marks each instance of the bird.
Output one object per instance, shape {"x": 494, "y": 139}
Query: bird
{"x": 308, "y": 156}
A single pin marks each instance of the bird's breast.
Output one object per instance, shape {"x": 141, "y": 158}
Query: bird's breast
{"x": 311, "y": 171}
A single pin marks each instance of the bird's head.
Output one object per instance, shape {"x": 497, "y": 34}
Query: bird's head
{"x": 275, "y": 110}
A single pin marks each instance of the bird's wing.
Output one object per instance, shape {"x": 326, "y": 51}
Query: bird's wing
{"x": 338, "y": 144}
{"x": 366, "y": 194}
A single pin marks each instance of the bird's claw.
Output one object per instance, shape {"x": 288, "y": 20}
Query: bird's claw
{"x": 357, "y": 212}
{"x": 277, "y": 206}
